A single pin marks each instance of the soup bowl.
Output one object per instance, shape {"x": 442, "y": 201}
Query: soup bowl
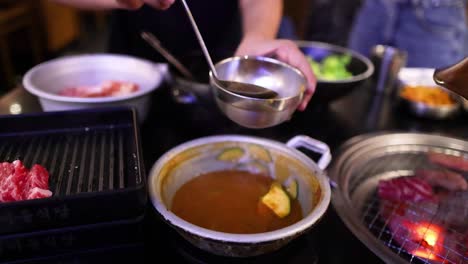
{"x": 282, "y": 162}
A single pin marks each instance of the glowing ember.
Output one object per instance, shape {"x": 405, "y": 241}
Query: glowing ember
{"x": 429, "y": 233}
{"x": 430, "y": 237}
{"x": 441, "y": 199}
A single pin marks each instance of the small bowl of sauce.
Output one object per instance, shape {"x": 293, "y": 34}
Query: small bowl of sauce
{"x": 422, "y": 97}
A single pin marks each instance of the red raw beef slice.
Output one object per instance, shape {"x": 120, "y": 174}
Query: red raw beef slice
{"x": 17, "y": 183}
{"x": 37, "y": 183}
{"x": 446, "y": 179}
{"x": 405, "y": 189}
{"x": 11, "y": 185}
{"x": 450, "y": 161}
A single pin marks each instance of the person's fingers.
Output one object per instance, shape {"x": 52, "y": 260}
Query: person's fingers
{"x": 160, "y": 4}
{"x": 290, "y": 53}
{"x": 136, "y": 4}
{"x": 256, "y": 46}
{"x": 130, "y": 4}
{"x": 305, "y": 101}
{"x": 286, "y": 51}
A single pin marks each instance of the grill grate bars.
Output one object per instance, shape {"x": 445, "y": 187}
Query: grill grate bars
{"x": 82, "y": 160}
{"x": 364, "y": 161}
{"x": 373, "y": 220}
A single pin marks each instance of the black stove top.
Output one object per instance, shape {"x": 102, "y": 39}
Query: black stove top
{"x": 170, "y": 124}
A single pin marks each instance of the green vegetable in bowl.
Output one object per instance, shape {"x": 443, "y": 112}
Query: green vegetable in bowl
{"x": 332, "y": 67}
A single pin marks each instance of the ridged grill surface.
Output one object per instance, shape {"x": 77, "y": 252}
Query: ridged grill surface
{"x": 89, "y": 159}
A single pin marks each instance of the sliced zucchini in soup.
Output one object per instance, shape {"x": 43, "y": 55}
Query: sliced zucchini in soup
{"x": 231, "y": 154}
{"x": 277, "y": 200}
{"x": 259, "y": 153}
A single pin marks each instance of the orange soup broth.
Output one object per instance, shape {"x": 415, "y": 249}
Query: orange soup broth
{"x": 229, "y": 201}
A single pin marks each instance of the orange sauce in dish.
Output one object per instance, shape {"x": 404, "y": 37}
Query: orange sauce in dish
{"x": 432, "y": 96}
{"x": 229, "y": 201}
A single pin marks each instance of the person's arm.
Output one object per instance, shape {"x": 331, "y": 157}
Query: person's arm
{"x": 114, "y": 4}
{"x": 260, "y": 21}
{"x": 260, "y": 18}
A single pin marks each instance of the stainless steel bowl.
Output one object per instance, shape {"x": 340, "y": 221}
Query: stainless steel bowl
{"x": 326, "y": 91}
{"x": 196, "y": 157}
{"x": 249, "y": 112}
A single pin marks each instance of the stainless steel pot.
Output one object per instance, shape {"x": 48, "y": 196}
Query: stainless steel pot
{"x": 193, "y": 158}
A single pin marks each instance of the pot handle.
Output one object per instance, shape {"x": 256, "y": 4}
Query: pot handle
{"x": 314, "y": 145}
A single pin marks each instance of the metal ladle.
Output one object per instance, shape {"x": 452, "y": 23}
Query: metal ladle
{"x": 245, "y": 89}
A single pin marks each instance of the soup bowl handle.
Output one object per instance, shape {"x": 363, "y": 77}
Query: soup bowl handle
{"x": 313, "y": 145}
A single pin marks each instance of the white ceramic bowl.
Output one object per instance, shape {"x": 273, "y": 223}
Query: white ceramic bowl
{"x": 47, "y": 79}
{"x": 417, "y": 76}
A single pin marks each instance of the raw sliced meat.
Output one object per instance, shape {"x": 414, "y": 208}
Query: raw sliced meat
{"x": 37, "y": 183}
{"x": 107, "y": 88}
{"x": 6, "y": 168}
{"x": 37, "y": 177}
{"x": 405, "y": 189}
{"x": 450, "y": 161}
{"x": 37, "y": 192}
{"x": 17, "y": 183}
{"x": 11, "y": 186}
{"x": 449, "y": 180}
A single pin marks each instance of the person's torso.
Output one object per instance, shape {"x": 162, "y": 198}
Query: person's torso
{"x": 218, "y": 21}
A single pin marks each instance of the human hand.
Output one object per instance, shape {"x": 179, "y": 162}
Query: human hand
{"x": 286, "y": 51}
{"x": 135, "y": 4}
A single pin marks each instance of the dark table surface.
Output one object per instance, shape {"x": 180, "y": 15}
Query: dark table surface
{"x": 171, "y": 123}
